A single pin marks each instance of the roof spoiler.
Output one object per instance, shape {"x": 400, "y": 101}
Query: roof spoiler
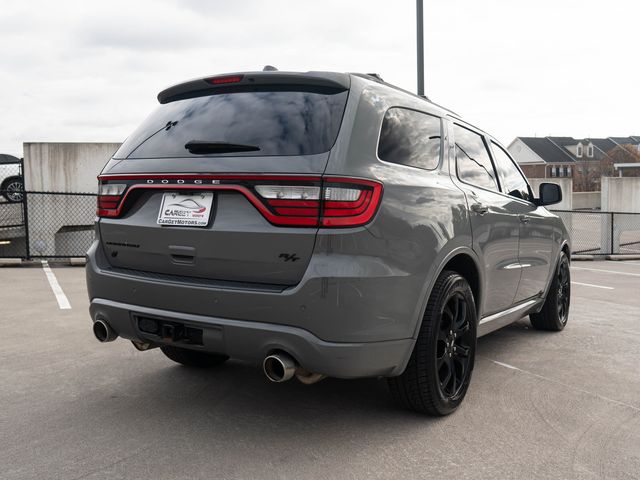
{"x": 208, "y": 85}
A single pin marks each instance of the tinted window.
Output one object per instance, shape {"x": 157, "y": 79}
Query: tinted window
{"x": 283, "y": 122}
{"x": 410, "y": 138}
{"x": 472, "y": 159}
{"x": 512, "y": 181}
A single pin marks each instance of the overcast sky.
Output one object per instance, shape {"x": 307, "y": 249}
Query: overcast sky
{"x": 90, "y": 71}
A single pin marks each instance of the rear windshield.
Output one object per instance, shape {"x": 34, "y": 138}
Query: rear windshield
{"x": 282, "y": 121}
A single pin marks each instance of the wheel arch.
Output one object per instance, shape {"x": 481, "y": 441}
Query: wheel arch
{"x": 10, "y": 179}
{"x": 566, "y": 249}
{"x": 464, "y": 261}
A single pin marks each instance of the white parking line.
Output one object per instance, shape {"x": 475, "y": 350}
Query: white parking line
{"x": 627, "y": 262}
{"x": 606, "y": 271}
{"x": 63, "y": 301}
{"x": 591, "y": 285}
{"x": 566, "y": 385}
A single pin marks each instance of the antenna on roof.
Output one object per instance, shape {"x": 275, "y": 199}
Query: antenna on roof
{"x": 269, "y": 68}
{"x": 376, "y": 76}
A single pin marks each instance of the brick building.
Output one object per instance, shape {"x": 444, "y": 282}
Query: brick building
{"x": 579, "y": 159}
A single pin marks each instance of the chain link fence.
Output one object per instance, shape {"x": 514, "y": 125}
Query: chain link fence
{"x": 602, "y": 233}
{"x": 47, "y": 225}
{"x": 61, "y": 225}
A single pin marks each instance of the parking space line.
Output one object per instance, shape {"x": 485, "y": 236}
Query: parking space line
{"x": 606, "y": 271}
{"x": 591, "y": 285}
{"x": 566, "y": 385}
{"x": 63, "y": 301}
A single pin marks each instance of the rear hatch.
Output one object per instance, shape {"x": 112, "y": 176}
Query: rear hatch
{"x": 222, "y": 182}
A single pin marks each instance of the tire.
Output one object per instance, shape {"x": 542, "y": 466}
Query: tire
{"x": 12, "y": 189}
{"x": 555, "y": 311}
{"x": 193, "y": 358}
{"x": 426, "y": 385}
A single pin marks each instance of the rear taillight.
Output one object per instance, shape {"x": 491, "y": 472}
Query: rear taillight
{"x": 340, "y": 202}
{"x": 109, "y": 196}
{"x": 283, "y": 200}
{"x": 349, "y": 202}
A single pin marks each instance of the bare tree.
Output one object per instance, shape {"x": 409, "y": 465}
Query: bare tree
{"x": 621, "y": 154}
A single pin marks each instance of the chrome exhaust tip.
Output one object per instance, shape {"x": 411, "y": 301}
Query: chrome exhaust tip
{"x": 103, "y": 332}
{"x": 279, "y": 367}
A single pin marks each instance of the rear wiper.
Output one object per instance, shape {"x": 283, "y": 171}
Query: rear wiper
{"x": 201, "y": 147}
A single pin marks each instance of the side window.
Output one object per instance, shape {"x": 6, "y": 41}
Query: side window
{"x": 512, "y": 181}
{"x": 473, "y": 162}
{"x": 410, "y": 138}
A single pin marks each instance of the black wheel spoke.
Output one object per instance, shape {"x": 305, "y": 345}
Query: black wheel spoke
{"x": 453, "y": 352}
{"x": 449, "y": 371}
{"x": 464, "y": 328}
{"x": 442, "y": 335}
{"x": 454, "y": 377}
{"x": 456, "y": 310}
{"x": 461, "y": 352}
{"x": 461, "y": 319}
{"x": 447, "y": 311}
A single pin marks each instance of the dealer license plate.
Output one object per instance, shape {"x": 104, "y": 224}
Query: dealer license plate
{"x": 192, "y": 210}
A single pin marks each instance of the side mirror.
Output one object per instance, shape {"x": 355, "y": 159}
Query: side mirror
{"x": 550, "y": 193}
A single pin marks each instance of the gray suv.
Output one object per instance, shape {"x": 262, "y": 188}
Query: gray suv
{"x": 321, "y": 224}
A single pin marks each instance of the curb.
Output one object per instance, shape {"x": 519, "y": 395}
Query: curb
{"x": 18, "y": 262}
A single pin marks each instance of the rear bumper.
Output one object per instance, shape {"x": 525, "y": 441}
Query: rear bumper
{"x": 253, "y": 341}
{"x": 359, "y": 324}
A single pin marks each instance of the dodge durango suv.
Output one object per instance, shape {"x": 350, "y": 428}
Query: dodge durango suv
{"x": 322, "y": 224}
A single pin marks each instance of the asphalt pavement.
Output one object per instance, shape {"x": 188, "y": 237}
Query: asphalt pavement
{"x": 541, "y": 405}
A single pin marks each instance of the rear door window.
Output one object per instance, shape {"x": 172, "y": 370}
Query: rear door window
{"x": 473, "y": 162}
{"x": 286, "y": 120}
{"x": 410, "y": 138}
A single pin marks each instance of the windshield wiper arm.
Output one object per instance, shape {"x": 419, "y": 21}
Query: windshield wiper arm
{"x": 200, "y": 147}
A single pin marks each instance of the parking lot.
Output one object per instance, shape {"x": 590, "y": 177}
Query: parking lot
{"x": 541, "y": 405}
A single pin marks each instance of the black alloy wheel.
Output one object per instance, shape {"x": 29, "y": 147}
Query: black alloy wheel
{"x": 555, "y": 312}
{"x": 453, "y": 346}
{"x": 564, "y": 291}
{"x": 437, "y": 376}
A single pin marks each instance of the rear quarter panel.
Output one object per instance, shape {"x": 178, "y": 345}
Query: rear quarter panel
{"x": 422, "y": 221}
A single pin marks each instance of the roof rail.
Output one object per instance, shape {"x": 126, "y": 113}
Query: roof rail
{"x": 377, "y": 78}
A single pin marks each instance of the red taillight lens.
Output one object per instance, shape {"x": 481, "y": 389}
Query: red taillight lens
{"x": 292, "y": 204}
{"x": 109, "y": 196}
{"x": 349, "y": 202}
{"x": 340, "y": 202}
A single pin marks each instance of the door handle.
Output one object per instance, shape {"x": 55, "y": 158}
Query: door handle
{"x": 479, "y": 208}
{"x": 524, "y": 219}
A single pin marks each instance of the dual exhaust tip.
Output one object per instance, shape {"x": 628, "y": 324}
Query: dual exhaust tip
{"x": 103, "y": 332}
{"x": 280, "y": 367}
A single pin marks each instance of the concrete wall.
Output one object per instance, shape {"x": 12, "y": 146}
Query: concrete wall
{"x": 65, "y": 167}
{"x": 62, "y": 224}
{"x": 567, "y": 188}
{"x": 621, "y": 194}
{"x": 586, "y": 200}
